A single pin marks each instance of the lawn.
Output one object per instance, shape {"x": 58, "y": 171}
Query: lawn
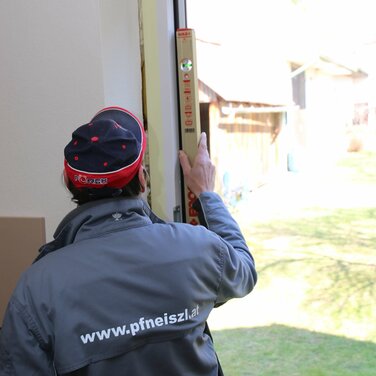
{"x": 313, "y": 310}
{"x": 282, "y": 350}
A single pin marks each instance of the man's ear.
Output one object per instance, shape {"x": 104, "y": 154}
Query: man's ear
{"x": 66, "y": 179}
{"x": 141, "y": 178}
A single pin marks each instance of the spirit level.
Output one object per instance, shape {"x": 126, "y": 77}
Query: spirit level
{"x": 190, "y": 127}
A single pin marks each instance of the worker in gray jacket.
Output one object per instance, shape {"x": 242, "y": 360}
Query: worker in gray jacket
{"x": 118, "y": 291}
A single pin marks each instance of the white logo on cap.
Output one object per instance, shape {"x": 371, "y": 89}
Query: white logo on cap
{"x": 117, "y": 216}
{"x": 86, "y": 180}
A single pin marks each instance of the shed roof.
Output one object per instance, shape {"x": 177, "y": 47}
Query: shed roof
{"x": 333, "y": 66}
{"x": 244, "y": 74}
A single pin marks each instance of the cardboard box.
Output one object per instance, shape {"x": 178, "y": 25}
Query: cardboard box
{"x": 21, "y": 239}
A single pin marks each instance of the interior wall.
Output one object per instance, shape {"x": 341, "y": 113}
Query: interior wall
{"x": 121, "y": 56}
{"x": 58, "y": 66}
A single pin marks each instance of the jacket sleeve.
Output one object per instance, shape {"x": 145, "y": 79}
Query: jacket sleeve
{"x": 238, "y": 269}
{"x": 21, "y": 350}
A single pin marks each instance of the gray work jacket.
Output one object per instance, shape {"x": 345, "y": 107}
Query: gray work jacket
{"x": 119, "y": 292}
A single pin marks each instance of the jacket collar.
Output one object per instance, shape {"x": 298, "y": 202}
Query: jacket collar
{"x": 97, "y": 217}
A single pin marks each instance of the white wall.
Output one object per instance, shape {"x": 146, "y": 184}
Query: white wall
{"x": 121, "y": 55}
{"x": 58, "y": 66}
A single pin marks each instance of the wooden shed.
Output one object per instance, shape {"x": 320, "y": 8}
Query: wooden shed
{"x": 243, "y": 102}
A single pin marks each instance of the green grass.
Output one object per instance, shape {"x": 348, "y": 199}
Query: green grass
{"x": 359, "y": 167}
{"x": 313, "y": 311}
{"x": 333, "y": 251}
{"x": 281, "y": 350}
{"x": 346, "y": 230}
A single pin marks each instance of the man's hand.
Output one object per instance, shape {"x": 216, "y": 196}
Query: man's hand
{"x": 200, "y": 176}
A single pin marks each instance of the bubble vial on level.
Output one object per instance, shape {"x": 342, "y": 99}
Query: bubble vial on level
{"x": 186, "y": 65}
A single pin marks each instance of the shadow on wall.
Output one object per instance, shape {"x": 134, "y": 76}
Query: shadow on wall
{"x": 278, "y": 350}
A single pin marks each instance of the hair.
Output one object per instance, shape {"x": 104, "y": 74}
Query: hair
{"x": 83, "y": 195}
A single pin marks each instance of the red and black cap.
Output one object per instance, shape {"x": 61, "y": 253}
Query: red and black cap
{"x": 107, "y": 152}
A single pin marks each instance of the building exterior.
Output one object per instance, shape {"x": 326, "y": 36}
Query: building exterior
{"x": 330, "y": 97}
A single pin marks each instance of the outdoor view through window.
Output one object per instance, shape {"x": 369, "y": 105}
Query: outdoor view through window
{"x": 287, "y": 92}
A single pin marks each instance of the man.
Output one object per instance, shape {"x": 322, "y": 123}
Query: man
{"x": 120, "y": 292}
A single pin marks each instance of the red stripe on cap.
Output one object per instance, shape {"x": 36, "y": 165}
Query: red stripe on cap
{"x": 115, "y": 179}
